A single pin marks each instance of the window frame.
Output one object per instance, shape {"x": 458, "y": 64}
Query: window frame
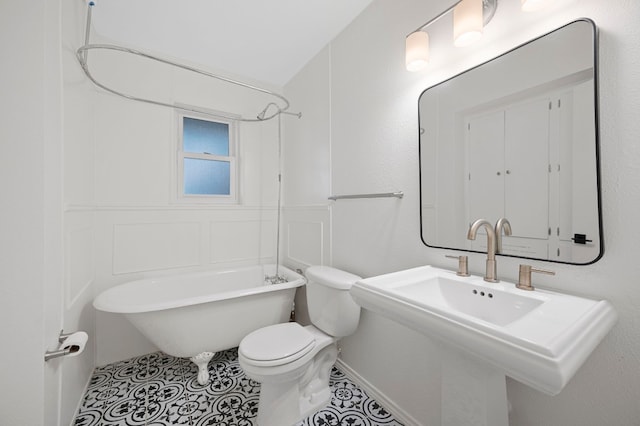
{"x": 232, "y": 159}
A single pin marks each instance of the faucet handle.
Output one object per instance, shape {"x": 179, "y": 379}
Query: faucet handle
{"x": 524, "y": 276}
{"x": 463, "y": 262}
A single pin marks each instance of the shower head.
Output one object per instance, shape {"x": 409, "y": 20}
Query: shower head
{"x": 262, "y": 114}
{"x": 264, "y": 111}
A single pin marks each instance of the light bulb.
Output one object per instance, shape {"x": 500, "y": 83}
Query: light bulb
{"x": 467, "y": 22}
{"x": 417, "y": 51}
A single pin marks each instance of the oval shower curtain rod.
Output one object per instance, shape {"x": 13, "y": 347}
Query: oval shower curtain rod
{"x": 83, "y": 57}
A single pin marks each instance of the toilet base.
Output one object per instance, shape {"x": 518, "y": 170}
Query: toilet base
{"x": 286, "y": 403}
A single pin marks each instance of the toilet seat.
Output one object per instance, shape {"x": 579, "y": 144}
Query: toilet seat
{"x": 278, "y": 344}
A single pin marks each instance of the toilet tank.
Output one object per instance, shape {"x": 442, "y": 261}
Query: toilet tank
{"x": 330, "y": 305}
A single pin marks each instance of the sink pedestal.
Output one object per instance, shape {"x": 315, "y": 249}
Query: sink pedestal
{"x": 473, "y": 392}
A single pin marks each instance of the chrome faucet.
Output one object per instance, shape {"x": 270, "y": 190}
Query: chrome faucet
{"x": 491, "y": 272}
{"x": 501, "y": 224}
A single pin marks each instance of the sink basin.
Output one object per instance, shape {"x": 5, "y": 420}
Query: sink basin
{"x": 538, "y": 337}
{"x": 480, "y": 303}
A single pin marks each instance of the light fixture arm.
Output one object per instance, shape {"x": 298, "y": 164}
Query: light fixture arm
{"x": 489, "y": 8}
{"x": 444, "y": 12}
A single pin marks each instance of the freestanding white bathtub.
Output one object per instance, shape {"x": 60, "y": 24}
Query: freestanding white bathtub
{"x": 195, "y": 315}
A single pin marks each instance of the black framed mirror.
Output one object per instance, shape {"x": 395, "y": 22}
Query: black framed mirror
{"x": 517, "y": 137}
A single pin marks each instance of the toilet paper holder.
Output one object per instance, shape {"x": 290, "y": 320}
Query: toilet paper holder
{"x": 61, "y": 352}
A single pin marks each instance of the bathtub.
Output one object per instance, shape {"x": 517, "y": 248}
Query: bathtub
{"x": 195, "y": 315}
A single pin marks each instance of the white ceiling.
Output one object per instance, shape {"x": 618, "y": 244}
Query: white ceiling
{"x": 264, "y": 40}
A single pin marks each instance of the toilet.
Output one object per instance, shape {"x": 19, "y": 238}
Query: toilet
{"x": 293, "y": 363}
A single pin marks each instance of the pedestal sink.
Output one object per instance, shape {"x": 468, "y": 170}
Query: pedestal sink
{"x": 539, "y": 338}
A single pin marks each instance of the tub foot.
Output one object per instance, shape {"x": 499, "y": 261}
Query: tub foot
{"x": 202, "y": 361}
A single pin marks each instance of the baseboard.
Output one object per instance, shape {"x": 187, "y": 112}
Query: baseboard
{"x": 398, "y": 413}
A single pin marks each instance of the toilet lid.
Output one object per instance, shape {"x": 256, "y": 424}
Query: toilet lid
{"x": 277, "y": 344}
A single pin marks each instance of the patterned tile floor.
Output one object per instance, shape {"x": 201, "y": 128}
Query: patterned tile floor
{"x": 160, "y": 390}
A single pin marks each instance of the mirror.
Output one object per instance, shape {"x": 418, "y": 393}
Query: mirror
{"x": 517, "y": 137}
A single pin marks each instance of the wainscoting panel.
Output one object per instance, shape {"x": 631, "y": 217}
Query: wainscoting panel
{"x": 242, "y": 240}
{"x": 307, "y": 236}
{"x": 139, "y": 247}
{"x": 306, "y": 242}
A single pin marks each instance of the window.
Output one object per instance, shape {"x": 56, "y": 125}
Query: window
{"x": 206, "y": 159}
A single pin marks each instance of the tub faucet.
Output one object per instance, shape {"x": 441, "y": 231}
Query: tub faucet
{"x": 491, "y": 272}
{"x": 501, "y": 224}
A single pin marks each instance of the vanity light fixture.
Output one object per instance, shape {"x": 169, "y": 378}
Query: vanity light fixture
{"x": 469, "y": 18}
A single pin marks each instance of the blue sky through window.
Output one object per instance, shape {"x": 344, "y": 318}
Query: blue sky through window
{"x": 206, "y": 177}
{"x": 201, "y": 136}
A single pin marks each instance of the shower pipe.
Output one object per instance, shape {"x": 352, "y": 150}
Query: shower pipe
{"x": 82, "y": 55}
{"x": 279, "y": 197}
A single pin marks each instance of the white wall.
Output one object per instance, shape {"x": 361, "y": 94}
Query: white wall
{"x": 307, "y": 168}
{"x": 367, "y": 126}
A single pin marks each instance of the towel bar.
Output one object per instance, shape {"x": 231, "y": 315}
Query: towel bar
{"x": 397, "y": 194}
